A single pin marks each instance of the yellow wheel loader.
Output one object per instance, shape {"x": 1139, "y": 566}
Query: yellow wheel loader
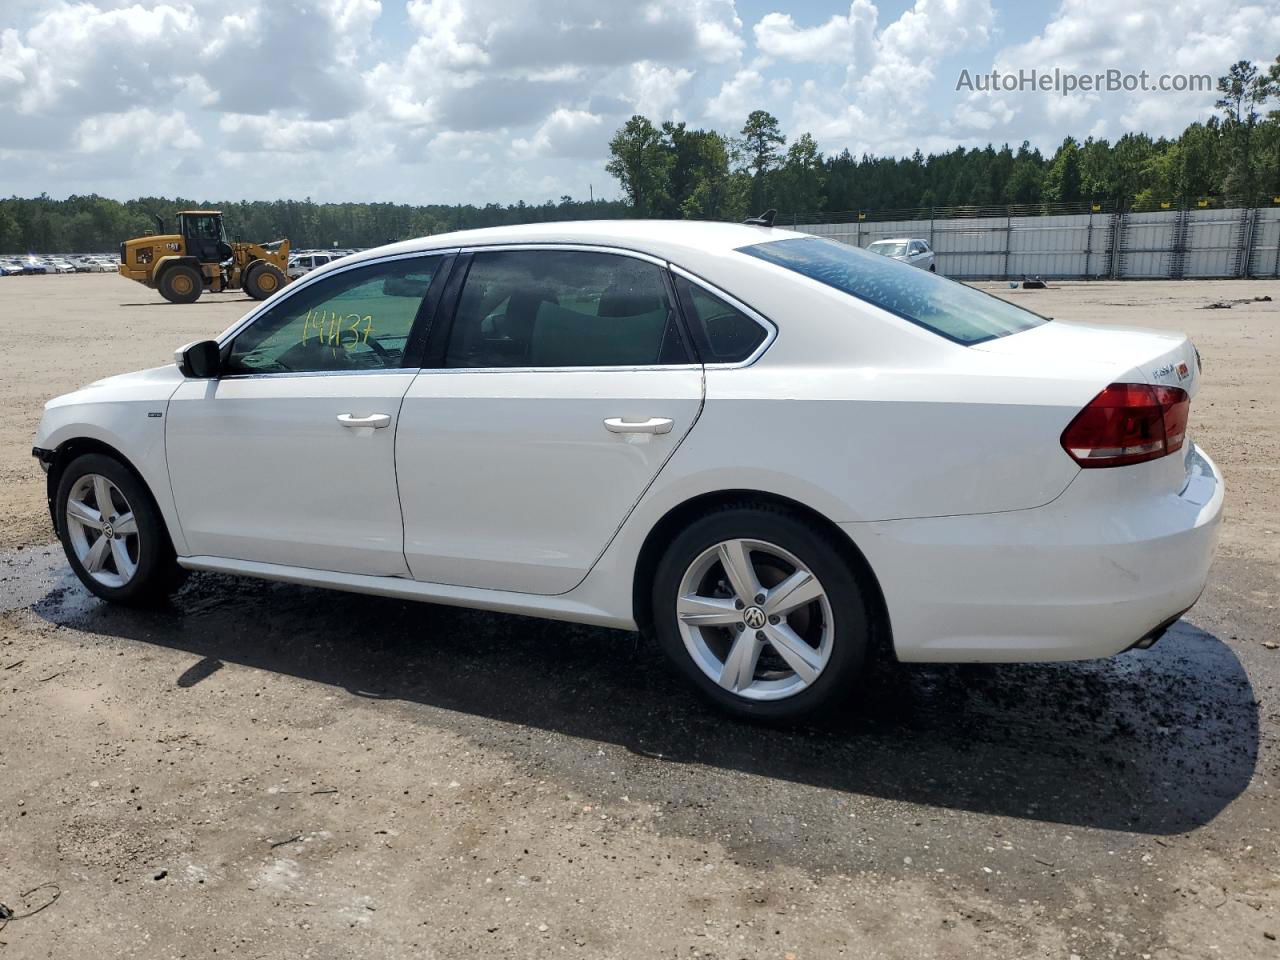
{"x": 198, "y": 257}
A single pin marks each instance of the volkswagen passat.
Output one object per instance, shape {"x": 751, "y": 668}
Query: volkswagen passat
{"x": 773, "y": 451}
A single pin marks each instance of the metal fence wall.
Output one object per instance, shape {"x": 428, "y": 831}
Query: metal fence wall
{"x": 1164, "y": 244}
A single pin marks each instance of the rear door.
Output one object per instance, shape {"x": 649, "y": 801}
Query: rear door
{"x": 562, "y": 386}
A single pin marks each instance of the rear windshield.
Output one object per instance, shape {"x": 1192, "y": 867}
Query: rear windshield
{"x": 948, "y": 308}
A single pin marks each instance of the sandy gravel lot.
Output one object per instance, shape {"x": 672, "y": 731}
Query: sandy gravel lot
{"x": 270, "y": 771}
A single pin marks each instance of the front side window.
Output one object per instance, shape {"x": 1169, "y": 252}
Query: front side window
{"x": 354, "y": 320}
{"x": 946, "y": 307}
{"x": 722, "y": 332}
{"x": 564, "y": 308}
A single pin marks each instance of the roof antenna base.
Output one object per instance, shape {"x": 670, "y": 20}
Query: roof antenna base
{"x": 764, "y": 220}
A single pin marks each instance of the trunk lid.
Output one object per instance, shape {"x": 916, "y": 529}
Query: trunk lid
{"x": 1116, "y": 354}
{"x": 1096, "y": 356}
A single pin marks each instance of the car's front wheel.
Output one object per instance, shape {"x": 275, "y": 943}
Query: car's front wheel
{"x": 762, "y": 611}
{"x": 113, "y": 534}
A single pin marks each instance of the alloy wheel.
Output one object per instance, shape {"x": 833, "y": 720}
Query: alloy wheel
{"x": 103, "y": 530}
{"x": 755, "y": 619}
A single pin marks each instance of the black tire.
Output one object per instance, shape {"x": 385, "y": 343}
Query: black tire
{"x": 819, "y": 551}
{"x": 158, "y": 574}
{"x": 263, "y": 280}
{"x": 181, "y": 284}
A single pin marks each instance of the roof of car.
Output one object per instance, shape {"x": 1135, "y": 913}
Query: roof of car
{"x": 898, "y": 240}
{"x": 667, "y": 239}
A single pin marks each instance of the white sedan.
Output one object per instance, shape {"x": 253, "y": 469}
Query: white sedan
{"x": 918, "y": 253}
{"x": 772, "y": 452}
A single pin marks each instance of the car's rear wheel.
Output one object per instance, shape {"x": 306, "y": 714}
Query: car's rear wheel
{"x": 761, "y": 610}
{"x": 113, "y": 534}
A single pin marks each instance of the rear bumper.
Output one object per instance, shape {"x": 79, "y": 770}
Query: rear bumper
{"x": 1088, "y": 575}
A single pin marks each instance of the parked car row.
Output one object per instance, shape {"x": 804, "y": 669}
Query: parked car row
{"x": 71, "y": 263}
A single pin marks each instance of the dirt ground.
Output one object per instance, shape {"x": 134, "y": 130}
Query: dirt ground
{"x": 269, "y": 771}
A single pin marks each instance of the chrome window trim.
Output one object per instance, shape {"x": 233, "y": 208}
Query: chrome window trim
{"x": 770, "y": 328}
{"x": 315, "y": 276}
{"x": 637, "y": 368}
{"x": 386, "y": 372}
{"x": 567, "y": 245}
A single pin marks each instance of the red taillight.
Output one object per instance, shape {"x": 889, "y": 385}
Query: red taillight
{"x": 1128, "y": 423}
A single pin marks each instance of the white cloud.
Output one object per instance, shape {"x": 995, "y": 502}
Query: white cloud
{"x": 1092, "y": 36}
{"x": 497, "y": 100}
{"x": 655, "y": 90}
{"x": 277, "y": 132}
{"x": 252, "y": 56}
{"x": 890, "y": 96}
{"x": 140, "y": 130}
{"x": 842, "y": 39}
{"x": 738, "y": 96}
{"x": 566, "y": 133}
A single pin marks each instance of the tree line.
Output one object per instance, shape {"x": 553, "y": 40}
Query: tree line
{"x": 85, "y": 224}
{"x": 674, "y": 171}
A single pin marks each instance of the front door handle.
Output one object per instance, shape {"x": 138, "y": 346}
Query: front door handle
{"x": 375, "y": 420}
{"x": 627, "y": 425}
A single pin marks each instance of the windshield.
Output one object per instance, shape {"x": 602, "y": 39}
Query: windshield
{"x": 948, "y": 308}
{"x": 889, "y": 248}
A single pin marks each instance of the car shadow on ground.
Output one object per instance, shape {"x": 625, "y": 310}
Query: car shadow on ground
{"x": 1154, "y": 742}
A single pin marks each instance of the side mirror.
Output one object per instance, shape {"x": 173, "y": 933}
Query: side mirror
{"x": 201, "y": 360}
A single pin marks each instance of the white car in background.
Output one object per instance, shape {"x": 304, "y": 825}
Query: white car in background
{"x": 774, "y": 452}
{"x": 59, "y": 265}
{"x": 304, "y": 263}
{"x": 917, "y": 253}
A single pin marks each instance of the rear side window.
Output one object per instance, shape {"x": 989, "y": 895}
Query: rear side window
{"x": 948, "y": 308}
{"x": 564, "y": 308}
{"x": 721, "y": 332}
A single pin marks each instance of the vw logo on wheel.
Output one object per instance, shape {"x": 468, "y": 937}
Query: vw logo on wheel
{"x": 754, "y": 618}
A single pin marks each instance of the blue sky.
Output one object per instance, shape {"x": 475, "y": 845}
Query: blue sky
{"x": 489, "y": 100}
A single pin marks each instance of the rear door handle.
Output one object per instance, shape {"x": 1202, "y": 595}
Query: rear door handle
{"x": 626, "y": 425}
{"x": 375, "y": 420}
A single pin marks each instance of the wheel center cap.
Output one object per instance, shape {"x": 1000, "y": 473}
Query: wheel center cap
{"x": 754, "y": 618}
{"x": 108, "y": 531}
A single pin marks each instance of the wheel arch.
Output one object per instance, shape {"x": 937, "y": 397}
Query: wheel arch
{"x": 662, "y": 532}
{"x": 69, "y": 450}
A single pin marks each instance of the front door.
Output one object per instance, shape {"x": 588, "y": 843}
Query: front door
{"x": 565, "y": 385}
{"x": 288, "y": 457}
